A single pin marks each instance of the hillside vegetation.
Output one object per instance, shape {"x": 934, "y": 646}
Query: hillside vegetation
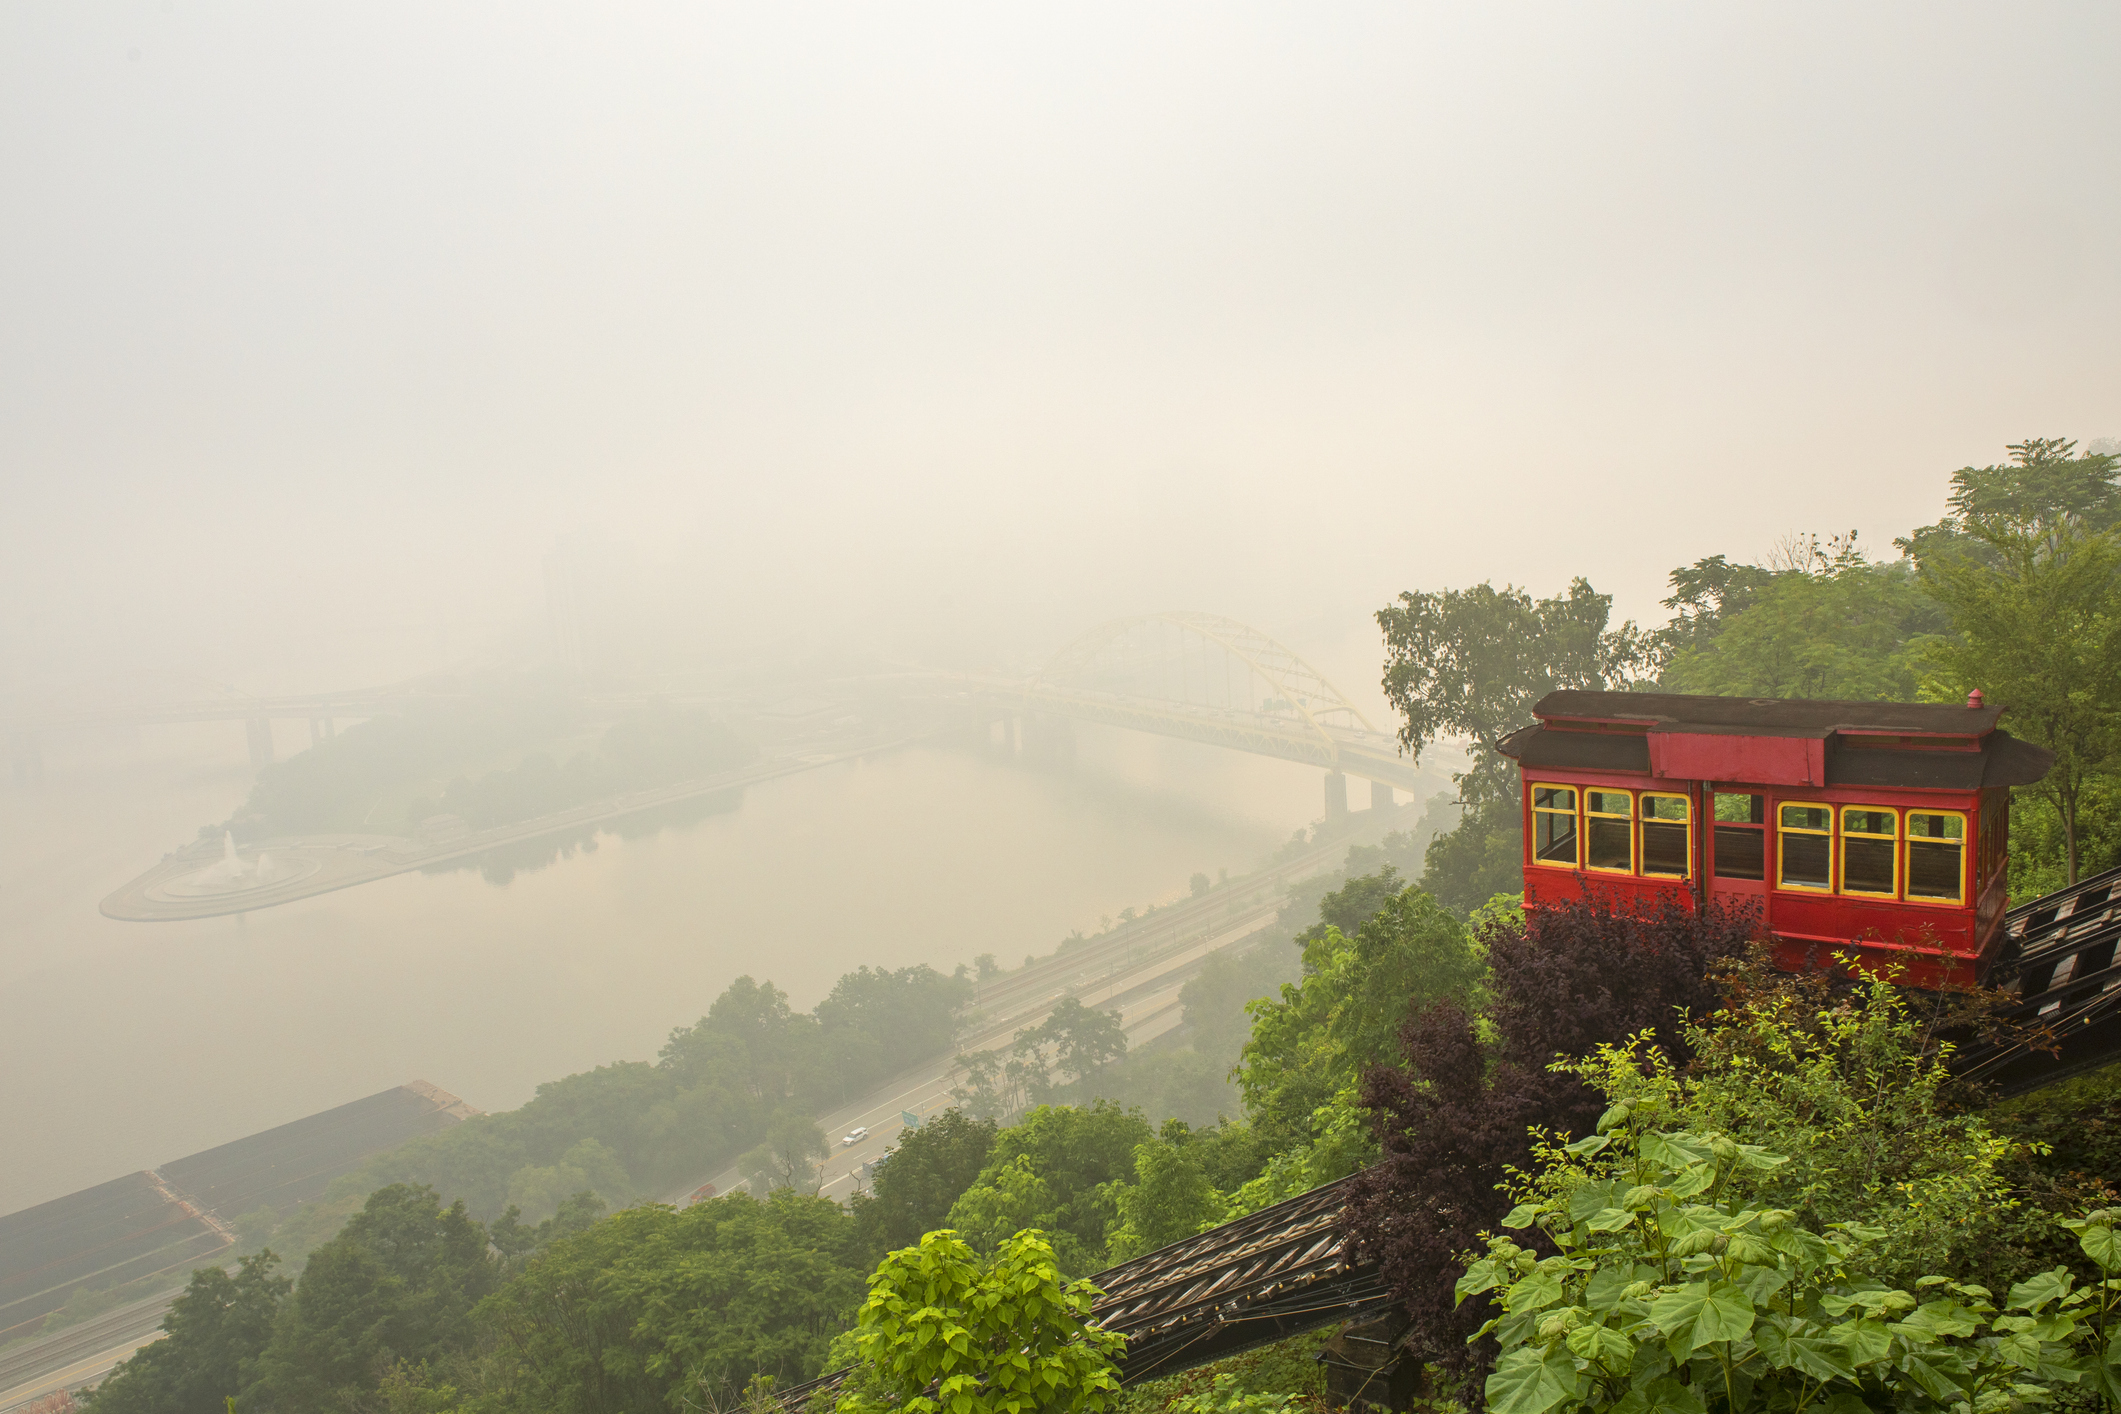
{"x": 1609, "y": 1160}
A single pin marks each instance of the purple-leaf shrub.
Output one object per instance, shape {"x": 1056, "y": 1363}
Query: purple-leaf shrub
{"x": 1456, "y": 1116}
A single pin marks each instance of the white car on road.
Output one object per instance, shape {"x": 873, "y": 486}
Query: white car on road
{"x": 853, "y": 1137}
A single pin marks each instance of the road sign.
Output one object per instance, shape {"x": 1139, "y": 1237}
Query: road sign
{"x": 909, "y": 1119}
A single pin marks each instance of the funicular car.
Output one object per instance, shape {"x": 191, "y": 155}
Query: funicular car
{"x": 1877, "y": 828}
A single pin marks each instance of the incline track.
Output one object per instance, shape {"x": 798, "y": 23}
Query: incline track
{"x": 1262, "y": 1278}
{"x": 2058, "y": 962}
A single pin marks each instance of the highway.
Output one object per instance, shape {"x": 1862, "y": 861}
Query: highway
{"x": 79, "y": 1355}
{"x": 1137, "y": 970}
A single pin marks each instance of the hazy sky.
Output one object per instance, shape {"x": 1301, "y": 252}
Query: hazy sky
{"x": 926, "y": 323}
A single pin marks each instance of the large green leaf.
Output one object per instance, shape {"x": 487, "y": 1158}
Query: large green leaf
{"x": 1529, "y": 1380}
{"x": 2036, "y": 1291}
{"x": 1608, "y": 1281}
{"x": 1821, "y": 1357}
{"x": 1602, "y": 1345}
{"x": 1867, "y": 1341}
{"x": 1941, "y": 1319}
{"x": 2102, "y": 1244}
{"x": 1484, "y": 1275}
{"x": 1726, "y": 1314}
{"x": 1761, "y": 1283}
{"x": 1661, "y": 1397}
{"x": 1932, "y": 1381}
{"x": 1676, "y": 1310}
{"x": 1592, "y": 1198}
{"x": 1694, "y": 1179}
{"x": 1535, "y": 1292}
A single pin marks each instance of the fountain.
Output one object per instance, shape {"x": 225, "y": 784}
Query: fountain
{"x": 232, "y": 873}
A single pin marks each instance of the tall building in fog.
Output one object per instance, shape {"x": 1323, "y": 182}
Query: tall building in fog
{"x": 567, "y": 576}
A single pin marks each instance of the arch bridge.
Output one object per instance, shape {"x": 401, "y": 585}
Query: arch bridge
{"x": 1201, "y": 677}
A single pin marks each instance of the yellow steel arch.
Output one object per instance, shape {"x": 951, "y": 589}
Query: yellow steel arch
{"x": 1302, "y": 686}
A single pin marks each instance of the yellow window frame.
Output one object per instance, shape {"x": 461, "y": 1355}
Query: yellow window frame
{"x": 1575, "y": 814}
{"x": 1783, "y": 832}
{"x": 1644, "y": 820}
{"x": 1633, "y": 817}
{"x": 1843, "y": 834}
{"x": 1908, "y": 841}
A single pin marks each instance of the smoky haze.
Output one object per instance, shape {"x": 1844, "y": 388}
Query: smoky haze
{"x": 912, "y": 334}
{"x": 948, "y": 325}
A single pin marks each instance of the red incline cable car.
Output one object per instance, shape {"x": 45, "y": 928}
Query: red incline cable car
{"x": 1870, "y": 827}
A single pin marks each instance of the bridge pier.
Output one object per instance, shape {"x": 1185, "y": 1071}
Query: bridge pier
{"x": 257, "y": 733}
{"x": 1336, "y": 796}
{"x": 321, "y": 730}
{"x": 1380, "y": 796}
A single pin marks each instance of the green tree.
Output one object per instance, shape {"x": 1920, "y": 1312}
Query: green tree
{"x": 1008, "y": 1198}
{"x": 1083, "y": 1039}
{"x": 215, "y": 1332}
{"x": 2038, "y": 629}
{"x": 1704, "y": 595}
{"x": 1003, "y": 1336}
{"x": 664, "y": 1308}
{"x": 1313, "y": 1043}
{"x": 1071, "y": 1045}
{"x": 516, "y": 1240}
{"x": 1170, "y": 1199}
{"x": 1840, "y": 629}
{"x": 1069, "y": 1155}
{"x": 397, "y": 1284}
{"x": 921, "y": 1177}
{"x": 1353, "y": 904}
{"x": 1215, "y": 999}
{"x": 2043, "y": 483}
{"x": 788, "y": 1158}
{"x": 587, "y": 1166}
{"x": 876, "y": 1022}
{"x": 1471, "y": 663}
{"x": 1480, "y": 858}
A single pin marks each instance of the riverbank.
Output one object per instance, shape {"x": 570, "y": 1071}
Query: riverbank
{"x": 304, "y": 866}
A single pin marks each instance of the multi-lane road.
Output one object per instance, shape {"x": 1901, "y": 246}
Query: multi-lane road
{"x": 79, "y": 1355}
{"x": 1144, "y": 993}
{"x": 1137, "y": 971}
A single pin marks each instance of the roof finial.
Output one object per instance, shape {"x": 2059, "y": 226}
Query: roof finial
{"x": 1973, "y": 699}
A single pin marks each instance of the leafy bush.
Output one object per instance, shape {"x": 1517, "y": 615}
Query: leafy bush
{"x": 1003, "y": 1336}
{"x": 1226, "y": 1396}
{"x": 1667, "y": 1296}
{"x": 1450, "y": 1125}
{"x": 1852, "y": 1085}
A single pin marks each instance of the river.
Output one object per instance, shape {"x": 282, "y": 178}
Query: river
{"x": 127, "y": 1045}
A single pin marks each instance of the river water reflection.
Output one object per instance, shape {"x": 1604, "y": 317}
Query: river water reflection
{"x": 128, "y": 1045}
